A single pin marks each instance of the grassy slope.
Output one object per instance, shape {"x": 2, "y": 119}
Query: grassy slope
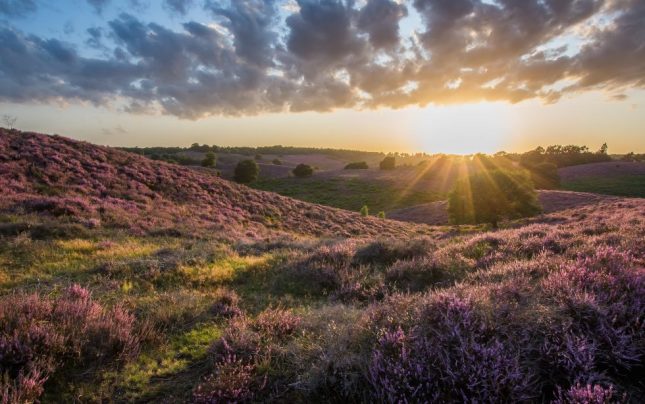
{"x": 627, "y": 185}
{"x": 350, "y": 194}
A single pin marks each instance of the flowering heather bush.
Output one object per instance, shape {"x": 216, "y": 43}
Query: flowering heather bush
{"x": 603, "y": 299}
{"x": 417, "y": 274}
{"x": 276, "y": 323}
{"x": 386, "y": 252}
{"x": 230, "y": 382}
{"x": 451, "y": 356}
{"x": 37, "y": 335}
{"x": 589, "y": 394}
{"x": 226, "y": 304}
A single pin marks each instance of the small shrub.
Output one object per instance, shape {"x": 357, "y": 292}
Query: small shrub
{"x": 417, "y": 274}
{"x": 365, "y": 211}
{"x": 210, "y": 160}
{"x": 246, "y": 171}
{"x": 388, "y": 163}
{"x": 276, "y": 323}
{"x": 226, "y": 304}
{"x": 230, "y": 382}
{"x": 381, "y": 215}
{"x": 277, "y": 162}
{"x": 359, "y": 165}
{"x": 387, "y": 251}
{"x": 303, "y": 170}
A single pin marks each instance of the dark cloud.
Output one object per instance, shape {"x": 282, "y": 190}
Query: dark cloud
{"x": 322, "y": 31}
{"x": 98, "y": 4}
{"x": 380, "y": 18}
{"x": 324, "y": 54}
{"x": 251, "y": 23}
{"x": 17, "y": 8}
{"x": 180, "y": 7}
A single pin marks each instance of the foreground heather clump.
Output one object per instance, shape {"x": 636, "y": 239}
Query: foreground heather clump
{"x": 40, "y": 335}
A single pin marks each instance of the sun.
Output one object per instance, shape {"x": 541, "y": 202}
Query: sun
{"x": 463, "y": 129}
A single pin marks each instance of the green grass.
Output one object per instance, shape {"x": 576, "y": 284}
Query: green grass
{"x": 628, "y": 185}
{"x": 350, "y": 194}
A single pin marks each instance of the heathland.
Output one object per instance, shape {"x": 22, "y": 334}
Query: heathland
{"x": 127, "y": 279}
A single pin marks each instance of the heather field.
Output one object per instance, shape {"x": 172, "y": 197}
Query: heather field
{"x": 124, "y": 279}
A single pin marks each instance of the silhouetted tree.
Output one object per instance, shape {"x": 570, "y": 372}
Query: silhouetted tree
{"x": 303, "y": 170}
{"x": 9, "y": 120}
{"x": 246, "y": 171}
{"x": 388, "y": 163}
{"x": 603, "y": 149}
{"x": 358, "y": 165}
{"x": 490, "y": 196}
{"x": 209, "y": 160}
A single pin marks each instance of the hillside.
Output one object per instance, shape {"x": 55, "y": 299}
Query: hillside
{"x": 436, "y": 213}
{"x": 56, "y": 176}
{"x": 618, "y": 178}
{"x": 128, "y": 280}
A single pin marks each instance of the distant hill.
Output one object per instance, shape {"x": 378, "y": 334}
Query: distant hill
{"x": 57, "y": 176}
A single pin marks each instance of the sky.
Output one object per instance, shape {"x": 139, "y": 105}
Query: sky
{"x": 452, "y": 76}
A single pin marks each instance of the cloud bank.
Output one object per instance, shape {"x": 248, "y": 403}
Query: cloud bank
{"x": 317, "y": 55}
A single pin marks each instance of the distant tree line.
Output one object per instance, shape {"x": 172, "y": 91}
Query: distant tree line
{"x": 563, "y": 156}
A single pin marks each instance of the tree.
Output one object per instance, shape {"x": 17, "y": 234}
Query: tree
{"x": 209, "y": 160}
{"x": 365, "y": 211}
{"x": 303, "y": 170}
{"x": 358, "y": 165}
{"x": 388, "y": 163}
{"x": 246, "y": 171}
{"x": 490, "y": 196}
{"x": 277, "y": 162}
{"x": 9, "y": 120}
{"x": 545, "y": 175}
{"x": 603, "y": 149}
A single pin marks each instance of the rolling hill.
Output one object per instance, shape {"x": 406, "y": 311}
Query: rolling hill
{"x": 56, "y": 176}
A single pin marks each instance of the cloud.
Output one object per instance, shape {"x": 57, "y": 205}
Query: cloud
{"x": 380, "y": 18}
{"x": 17, "y": 8}
{"x": 250, "y": 22}
{"x": 180, "y": 7}
{"x": 98, "y": 4}
{"x": 271, "y": 55}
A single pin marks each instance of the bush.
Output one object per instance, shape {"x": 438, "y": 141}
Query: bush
{"x": 365, "y": 211}
{"x": 451, "y": 357}
{"x": 277, "y": 162}
{"x": 388, "y": 163}
{"x": 490, "y": 196}
{"x": 381, "y": 215}
{"x": 258, "y": 157}
{"x": 359, "y": 165}
{"x": 39, "y": 335}
{"x": 246, "y": 171}
{"x": 209, "y": 160}
{"x": 303, "y": 170}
